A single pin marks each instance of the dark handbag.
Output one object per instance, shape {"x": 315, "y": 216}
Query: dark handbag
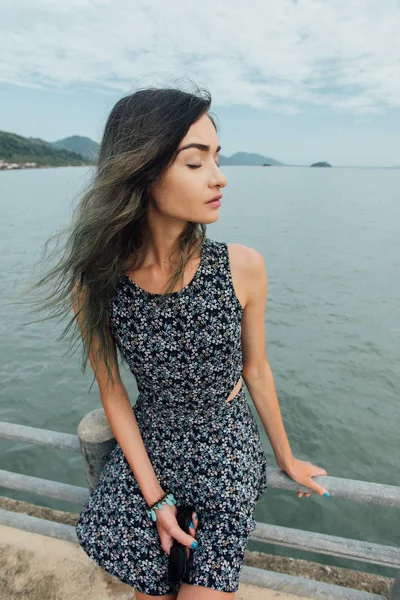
{"x": 178, "y": 561}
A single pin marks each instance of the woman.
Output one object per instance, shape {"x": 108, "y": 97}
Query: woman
{"x": 186, "y": 314}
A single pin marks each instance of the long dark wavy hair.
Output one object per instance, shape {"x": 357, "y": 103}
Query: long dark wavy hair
{"x": 109, "y": 225}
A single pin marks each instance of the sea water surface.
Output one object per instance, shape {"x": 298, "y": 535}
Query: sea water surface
{"x": 330, "y": 239}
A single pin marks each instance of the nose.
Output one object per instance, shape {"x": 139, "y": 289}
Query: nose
{"x": 220, "y": 179}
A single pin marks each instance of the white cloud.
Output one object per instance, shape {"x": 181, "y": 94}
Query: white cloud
{"x": 281, "y": 54}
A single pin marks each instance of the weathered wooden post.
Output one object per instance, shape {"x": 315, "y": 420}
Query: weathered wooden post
{"x": 96, "y": 440}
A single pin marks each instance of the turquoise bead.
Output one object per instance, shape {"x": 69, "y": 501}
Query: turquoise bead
{"x": 159, "y": 505}
{"x": 168, "y": 501}
{"x": 153, "y": 515}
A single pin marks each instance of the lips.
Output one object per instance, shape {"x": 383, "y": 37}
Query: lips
{"x": 215, "y": 198}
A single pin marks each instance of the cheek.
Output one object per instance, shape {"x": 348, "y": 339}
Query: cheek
{"x": 183, "y": 181}
{"x": 178, "y": 193}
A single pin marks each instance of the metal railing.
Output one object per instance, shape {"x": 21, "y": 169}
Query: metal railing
{"x": 95, "y": 441}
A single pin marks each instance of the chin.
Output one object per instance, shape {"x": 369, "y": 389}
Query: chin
{"x": 209, "y": 219}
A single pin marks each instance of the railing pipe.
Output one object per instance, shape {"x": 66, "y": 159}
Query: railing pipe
{"x": 40, "y": 437}
{"x": 43, "y": 487}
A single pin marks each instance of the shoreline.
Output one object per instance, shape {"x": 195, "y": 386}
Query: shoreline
{"x": 33, "y": 166}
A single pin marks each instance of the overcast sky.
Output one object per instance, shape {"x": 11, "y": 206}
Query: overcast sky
{"x": 298, "y": 81}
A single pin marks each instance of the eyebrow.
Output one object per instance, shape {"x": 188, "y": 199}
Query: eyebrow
{"x": 202, "y": 147}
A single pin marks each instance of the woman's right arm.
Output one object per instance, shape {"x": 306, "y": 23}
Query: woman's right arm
{"x": 124, "y": 425}
{"x": 122, "y": 419}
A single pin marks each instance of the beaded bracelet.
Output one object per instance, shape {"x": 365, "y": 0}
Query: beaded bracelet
{"x": 165, "y": 499}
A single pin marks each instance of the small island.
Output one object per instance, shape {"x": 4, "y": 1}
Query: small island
{"x": 320, "y": 164}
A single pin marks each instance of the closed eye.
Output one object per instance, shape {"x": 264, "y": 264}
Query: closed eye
{"x": 198, "y": 166}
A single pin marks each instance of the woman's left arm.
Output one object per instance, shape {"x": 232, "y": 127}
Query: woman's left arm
{"x": 258, "y": 376}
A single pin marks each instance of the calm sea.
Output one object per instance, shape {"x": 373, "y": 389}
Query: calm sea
{"x": 331, "y": 243}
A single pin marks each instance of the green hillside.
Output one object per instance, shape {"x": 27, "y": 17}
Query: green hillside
{"x": 79, "y": 144}
{"x": 18, "y": 149}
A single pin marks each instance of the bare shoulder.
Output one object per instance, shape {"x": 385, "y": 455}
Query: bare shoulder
{"x": 246, "y": 259}
{"x": 247, "y": 268}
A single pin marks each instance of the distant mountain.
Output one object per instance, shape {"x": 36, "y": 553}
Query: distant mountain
{"x": 81, "y": 145}
{"x": 78, "y": 150}
{"x": 247, "y": 158}
{"x": 320, "y": 164}
{"x": 18, "y": 149}
{"x": 89, "y": 148}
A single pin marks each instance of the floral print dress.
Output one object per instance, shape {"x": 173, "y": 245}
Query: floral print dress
{"x": 184, "y": 350}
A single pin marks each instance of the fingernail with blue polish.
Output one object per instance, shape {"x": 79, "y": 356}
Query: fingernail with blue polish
{"x": 195, "y": 516}
{"x": 327, "y": 494}
{"x": 191, "y": 525}
{"x": 195, "y": 545}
